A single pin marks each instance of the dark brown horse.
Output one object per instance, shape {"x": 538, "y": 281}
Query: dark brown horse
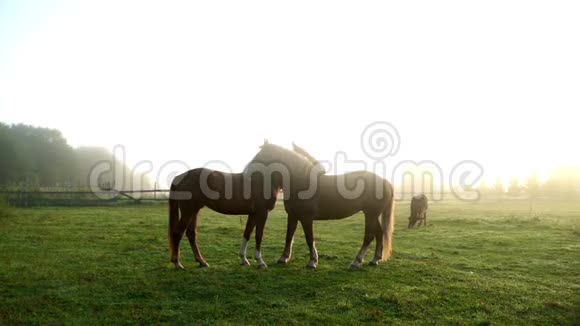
{"x": 226, "y": 193}
{"x": 419, "y": 205}
{"x": 310, "y": 195}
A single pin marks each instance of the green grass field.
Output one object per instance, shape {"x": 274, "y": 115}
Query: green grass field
{"x": 492, "y": 263}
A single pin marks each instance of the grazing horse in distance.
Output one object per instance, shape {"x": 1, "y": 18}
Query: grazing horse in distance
{"x": 419, "y": 205}
{"x": 226, "y": 193}
{"x": 311, "y": 195}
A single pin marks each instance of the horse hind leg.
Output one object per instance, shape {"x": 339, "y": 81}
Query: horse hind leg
{"x": 370, "y": 226}
{"x": 421, "y": 218}
{"x": 192, "y": 237}
{"x": 176, "y": 253}
{"x": 379, "y": 246}
{"x": 177, "y": 231}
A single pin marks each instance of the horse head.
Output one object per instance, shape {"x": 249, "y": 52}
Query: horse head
{"x": 283, "y": 168}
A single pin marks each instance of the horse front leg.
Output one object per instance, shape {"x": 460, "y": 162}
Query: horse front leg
{"x": 261, "y": 218}
{"x": 309, "y": 235}
{"x": 250, "y": 224}
{"x": 290, "y": 230}
{"x": 410, "y": 223}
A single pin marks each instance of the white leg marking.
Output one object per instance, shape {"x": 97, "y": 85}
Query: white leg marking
{"x": 243, "y": 259}
{"x": 290, "y": 251}
{"x": 313, "y": 258}
{"x": 356, "y": 263}
{"x": 378, "y": 256}
{"x": 361, "y": 253}
{"x": 261, "y": 263}
{"x": 286, "y": 255}
{"x": 314, "y": 255}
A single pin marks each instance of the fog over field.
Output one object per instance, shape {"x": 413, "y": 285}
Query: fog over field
{"x": 494, "y": 83}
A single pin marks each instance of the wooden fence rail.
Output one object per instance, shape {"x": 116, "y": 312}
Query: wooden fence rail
{"x": 82, "y": 198}
{"x": 114, "y": 197}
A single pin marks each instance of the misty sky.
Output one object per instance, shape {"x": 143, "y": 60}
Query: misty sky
{"x": 494, "y": 81}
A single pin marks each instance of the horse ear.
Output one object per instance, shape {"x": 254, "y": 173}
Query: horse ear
{"x": 266, "y": 141}
{"x": 294, "y": 146}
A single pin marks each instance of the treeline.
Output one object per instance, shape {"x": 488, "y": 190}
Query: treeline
{"x": 563, "y": 182}
{"x": 36, "y": 158}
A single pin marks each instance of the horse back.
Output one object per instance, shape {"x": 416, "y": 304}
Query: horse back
{"x": 222, "y": 192}
{"x": 340, "y": 198}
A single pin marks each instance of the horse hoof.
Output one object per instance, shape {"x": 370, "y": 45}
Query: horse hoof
{"x": 245, "y": 263}
{"x": 263, "y": 266}
{"x": 203, "y": 264}
{"x": 311, "y": 265}
{"x": 282, "y": 261}
{"x": 178, "y": 266}
{"x": 354, "y": 266}
{"x": 373, "y": 263}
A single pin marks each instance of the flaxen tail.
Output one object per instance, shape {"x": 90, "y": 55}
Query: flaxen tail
{"x": 173, "y": 220}
{"x": 388, "y": 222}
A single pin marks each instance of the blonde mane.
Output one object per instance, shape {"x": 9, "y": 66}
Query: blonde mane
{"x": 295, "y": 162}
{"x": 311, "y": 158}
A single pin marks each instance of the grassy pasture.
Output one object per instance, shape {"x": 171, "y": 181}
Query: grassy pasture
{"x": 476, "y": 263}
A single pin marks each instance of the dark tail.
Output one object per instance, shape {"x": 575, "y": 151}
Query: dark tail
{"x": 388, "y": 222}
{"x": 173, "y": 219}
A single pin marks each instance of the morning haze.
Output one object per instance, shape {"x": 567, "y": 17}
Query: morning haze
{"x": 441, "y": 134}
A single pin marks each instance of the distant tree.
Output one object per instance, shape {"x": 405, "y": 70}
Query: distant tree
{"x": 35, "y": 157}
{"x": 498, "y": 187}
{"x": 533, "y": 186}
{"x": 484, "y": 190}
{"x": 514, "y": 187}
{"x": 7, "y": 155}
{"x": 122, "y": 179}
{"x": 43, "y": 155}
{"x": 563, "y": 183}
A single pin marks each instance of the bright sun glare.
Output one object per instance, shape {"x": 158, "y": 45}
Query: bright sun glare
{"x": 201, "y": 81}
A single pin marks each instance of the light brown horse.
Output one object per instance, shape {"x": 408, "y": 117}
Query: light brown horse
{"x": 226, "y": 193}
{"x": 419, "y": 205}
{"x": 310, "y": 195}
